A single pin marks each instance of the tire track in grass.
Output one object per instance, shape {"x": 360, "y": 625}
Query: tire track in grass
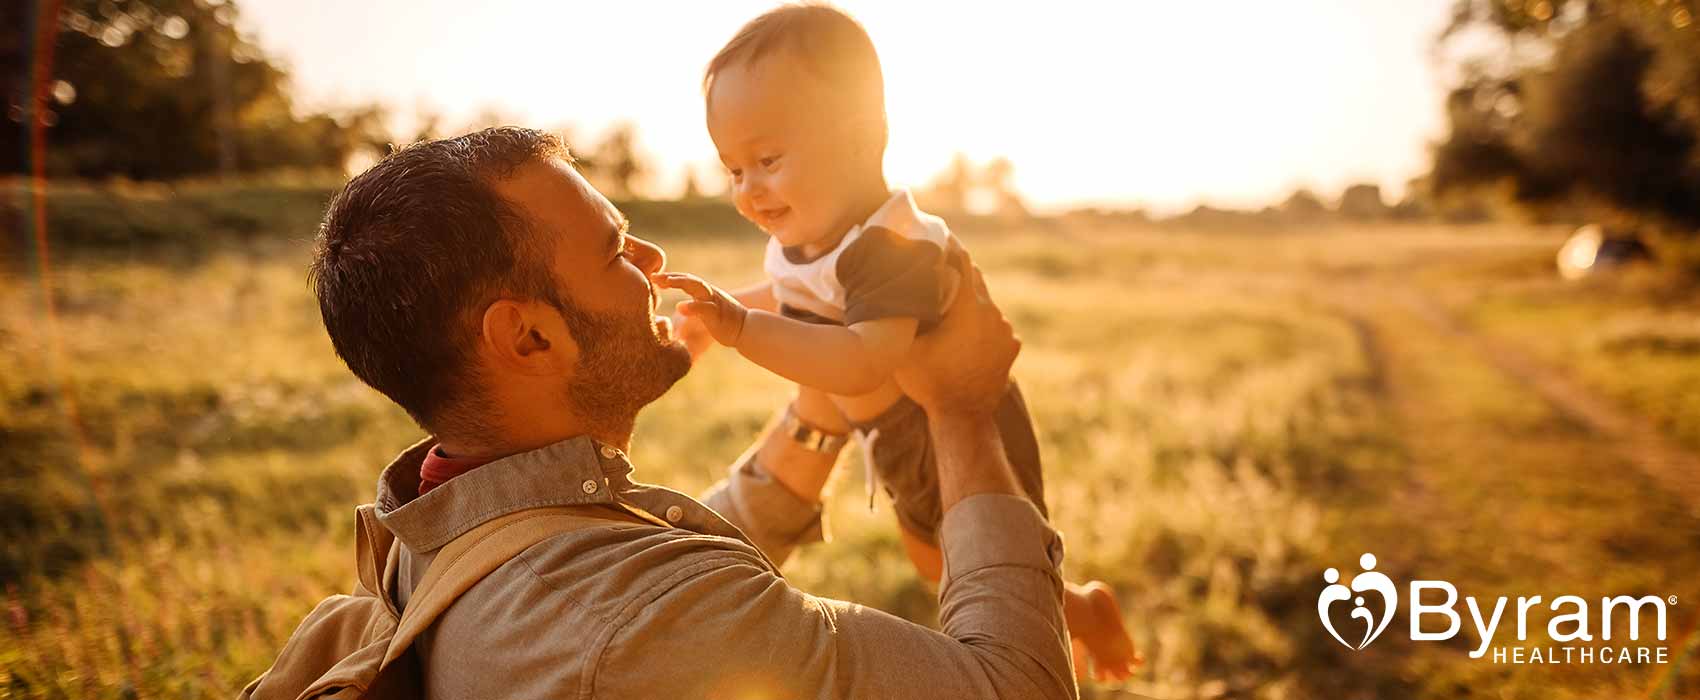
{"x": 1634, "y": 437}
{"x": 1519, "y": 481}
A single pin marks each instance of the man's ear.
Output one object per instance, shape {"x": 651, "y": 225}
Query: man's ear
{"x": 528, "y": 338}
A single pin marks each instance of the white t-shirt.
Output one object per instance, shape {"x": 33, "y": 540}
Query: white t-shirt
{"x": 894, "y": 265}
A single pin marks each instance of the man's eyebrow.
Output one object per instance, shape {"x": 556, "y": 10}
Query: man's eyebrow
{"x": 617, "y": 242}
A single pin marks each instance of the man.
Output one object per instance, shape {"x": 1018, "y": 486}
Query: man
{"x": 485, "y": 287}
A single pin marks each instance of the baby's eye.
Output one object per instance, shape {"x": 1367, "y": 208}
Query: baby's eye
{"x": 769, "y": 161}
{"x": 736, "y": 173}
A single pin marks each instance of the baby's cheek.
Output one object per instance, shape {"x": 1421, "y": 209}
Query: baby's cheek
{"x": 743, "y": 208}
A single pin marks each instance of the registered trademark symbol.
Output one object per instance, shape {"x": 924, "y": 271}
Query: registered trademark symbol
{"x": 1672, "y": 600}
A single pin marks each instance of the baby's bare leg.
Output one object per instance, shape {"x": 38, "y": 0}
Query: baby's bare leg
{"x": 928, "y": 560}
{"x": 1103, "y": 650}
{"x": 803, "y": 471}
{"x": 866, "y": 407}
{"x": 818, "y": 409}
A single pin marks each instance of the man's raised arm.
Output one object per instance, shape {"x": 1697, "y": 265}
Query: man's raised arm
{"x": 734, "y": 628}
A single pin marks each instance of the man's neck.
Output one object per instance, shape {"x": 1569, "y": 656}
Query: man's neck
{"x": 525, "y": 438}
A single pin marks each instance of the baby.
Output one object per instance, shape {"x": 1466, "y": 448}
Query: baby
{"x": 796, "y": 108}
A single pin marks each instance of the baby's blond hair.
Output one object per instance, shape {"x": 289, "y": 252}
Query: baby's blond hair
{"x": 828, "y": 42}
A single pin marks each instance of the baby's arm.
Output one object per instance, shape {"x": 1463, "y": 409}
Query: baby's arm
{"x": 843, "y": 360}
{"x": 695, "y": 336}
{"x": 840, "y": 360}
{"x": 758, "y": 296}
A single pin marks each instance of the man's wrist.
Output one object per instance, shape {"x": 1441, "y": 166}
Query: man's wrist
{"x": 971, "y": 458}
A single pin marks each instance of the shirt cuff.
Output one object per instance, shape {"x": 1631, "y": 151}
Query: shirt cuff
{"x": 995, "y": 529}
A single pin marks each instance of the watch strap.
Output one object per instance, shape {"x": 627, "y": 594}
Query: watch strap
{"x": 808, "y": 436}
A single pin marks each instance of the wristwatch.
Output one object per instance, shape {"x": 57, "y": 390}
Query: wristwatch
{"x": 809, "y": 437}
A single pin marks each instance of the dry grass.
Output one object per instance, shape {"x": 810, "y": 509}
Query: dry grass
{"x": 1222, "y": 417}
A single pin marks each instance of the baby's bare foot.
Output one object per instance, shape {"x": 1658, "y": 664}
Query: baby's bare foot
{"x": 1095, "y": 623}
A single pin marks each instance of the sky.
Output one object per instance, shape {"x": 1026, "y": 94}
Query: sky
{"x": 1161, "y": 105}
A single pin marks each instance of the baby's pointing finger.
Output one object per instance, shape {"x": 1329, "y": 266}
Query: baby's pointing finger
{"x": 687, "y": 283}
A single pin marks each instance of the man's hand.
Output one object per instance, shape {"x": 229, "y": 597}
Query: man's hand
{"x": 962, "y": 366}
{"x": 716, "y": 310}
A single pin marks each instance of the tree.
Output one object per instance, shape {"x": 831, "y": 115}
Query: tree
{"x": 1363, "y": 202}
{"x": 949, "y": 190}
{"x": 169, "y": 88}
{"x": 964, "y": 187}
{"x": 1303, "y": 205}
{"x": 1581, "y": 101}
{"x": 693, "y": 191}
{"x": 614, "y": 165}
{"x": 998, "y": 178}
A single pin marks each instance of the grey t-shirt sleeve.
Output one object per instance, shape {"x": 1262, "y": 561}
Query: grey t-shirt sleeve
{"x": 885, "y": 275}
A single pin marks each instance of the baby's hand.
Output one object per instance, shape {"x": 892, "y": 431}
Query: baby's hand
{"x": 691, "y": 331}
{"x": 721, "y": 314}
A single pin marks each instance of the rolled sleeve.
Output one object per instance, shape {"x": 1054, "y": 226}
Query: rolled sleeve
{"x": 1003, "y": 584}
{"x": 774, "y": 519}
{"x": 991, "y": 530}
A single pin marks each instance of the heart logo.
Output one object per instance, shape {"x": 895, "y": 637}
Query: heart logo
{"x": 1369, "y": 580}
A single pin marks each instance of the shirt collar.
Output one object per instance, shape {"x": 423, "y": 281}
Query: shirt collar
{"x": 574, "y": 471}
{"x": 898, "y": 213}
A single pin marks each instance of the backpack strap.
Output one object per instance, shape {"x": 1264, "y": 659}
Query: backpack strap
{"x": 470, "y": 557}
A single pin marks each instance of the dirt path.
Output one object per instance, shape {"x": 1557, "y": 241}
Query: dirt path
{"x": 1637, "y": 439}
{"x": 1518, "y": 480}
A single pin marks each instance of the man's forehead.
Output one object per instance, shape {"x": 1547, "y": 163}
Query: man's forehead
{"x": 560, "y": 201}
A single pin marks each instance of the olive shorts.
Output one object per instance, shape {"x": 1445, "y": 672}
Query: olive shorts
{"x": 899, "y": 449}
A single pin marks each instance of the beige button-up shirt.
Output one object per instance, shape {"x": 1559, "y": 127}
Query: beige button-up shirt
{"x": 669, "y": 599}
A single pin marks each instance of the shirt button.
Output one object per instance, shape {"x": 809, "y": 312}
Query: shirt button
{"x": 589, "y": 486}
{"x": 674, "y": 513}
{"x": 608, "y": 452}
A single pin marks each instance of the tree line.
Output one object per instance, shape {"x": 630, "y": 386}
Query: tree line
{"x": 1573, "y": 109}
{"x": 1589, "y": 109}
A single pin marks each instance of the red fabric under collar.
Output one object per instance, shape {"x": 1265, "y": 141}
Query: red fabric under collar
{"x": 438, "y": 468}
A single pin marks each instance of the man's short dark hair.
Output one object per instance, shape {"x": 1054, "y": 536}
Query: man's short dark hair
{"x": 413, "y": 250}
{"x": 828, "y": 42}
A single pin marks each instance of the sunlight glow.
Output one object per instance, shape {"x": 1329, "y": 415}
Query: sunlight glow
{"x": 1155, "y": 104}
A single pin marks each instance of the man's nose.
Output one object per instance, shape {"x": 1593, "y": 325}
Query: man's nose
{"x": 649, "y": 257}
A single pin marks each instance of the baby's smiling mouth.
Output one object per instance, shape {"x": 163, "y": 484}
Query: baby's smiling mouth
{"x": 770, "y": 217}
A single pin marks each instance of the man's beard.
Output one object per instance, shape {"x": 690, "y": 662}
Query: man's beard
{"x": 623, "y": 365}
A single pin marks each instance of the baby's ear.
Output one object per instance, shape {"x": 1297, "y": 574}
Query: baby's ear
{"x": 869, "y": 134}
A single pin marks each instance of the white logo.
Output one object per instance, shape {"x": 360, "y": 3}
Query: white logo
{"x": 1572, "y": 620}
{"x": 1369, "y": 580}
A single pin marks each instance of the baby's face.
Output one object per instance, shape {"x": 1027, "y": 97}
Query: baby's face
{"x": 785, "y": 143}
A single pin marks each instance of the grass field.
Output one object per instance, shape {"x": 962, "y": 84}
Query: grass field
{"x": 1223, "y": 416}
